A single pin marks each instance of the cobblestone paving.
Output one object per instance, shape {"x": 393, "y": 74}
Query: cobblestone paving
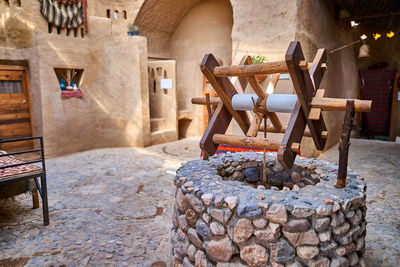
{"x": 108, "y": 207}
{"x": 113, "y": 207}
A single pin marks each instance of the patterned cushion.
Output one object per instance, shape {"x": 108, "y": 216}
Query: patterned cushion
{"x": 10, "y": 160}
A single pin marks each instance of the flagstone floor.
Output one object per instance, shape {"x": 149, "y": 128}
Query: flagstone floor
{"x": 113, "y": 207}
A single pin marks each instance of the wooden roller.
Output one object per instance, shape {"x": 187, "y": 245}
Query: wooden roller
{"x": 325, "y": 103}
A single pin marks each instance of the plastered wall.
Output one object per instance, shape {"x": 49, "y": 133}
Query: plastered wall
{"x": 381, "y": 50}
{"x": 114, "y": 110}
{"x": 317, "y": 28}
{"x": 311, "y": 22}
{"x": 205, "y": 29}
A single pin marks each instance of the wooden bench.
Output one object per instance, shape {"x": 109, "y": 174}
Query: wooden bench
{"x": 13, "y": 170}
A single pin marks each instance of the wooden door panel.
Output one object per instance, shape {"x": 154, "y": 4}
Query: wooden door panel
{"x": 15, "y": 117}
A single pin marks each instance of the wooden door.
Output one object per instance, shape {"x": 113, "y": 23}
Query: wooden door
{"x": 15, "y": 111}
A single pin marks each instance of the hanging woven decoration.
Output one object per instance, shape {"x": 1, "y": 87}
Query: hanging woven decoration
{"x": 65, "y": 13}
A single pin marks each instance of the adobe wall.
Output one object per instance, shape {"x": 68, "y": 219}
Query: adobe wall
{"x": 114, "y": 110}
{"x": 382, "y": 50}
{"x": 205, "y": 29}
{"x": 269, "y": 33}
{"x": 317, "y": 28}
{"x": 264, "y": 28}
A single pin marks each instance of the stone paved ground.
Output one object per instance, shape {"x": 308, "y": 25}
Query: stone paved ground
{"x": 107, "y": 207}
{"x": 113, "y": 207}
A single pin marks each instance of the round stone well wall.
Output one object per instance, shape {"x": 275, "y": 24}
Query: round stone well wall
{"x": 223, "y": 216}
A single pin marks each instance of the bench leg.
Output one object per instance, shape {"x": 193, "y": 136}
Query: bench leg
{"x": 44, "y": 200}
{"x": 35, "y": 198}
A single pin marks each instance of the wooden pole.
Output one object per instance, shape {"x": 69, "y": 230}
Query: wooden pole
{"x": 345, "y": 144}
{"x": 328, "y": 104}
{"x": 251, "y": 70}
{"x": 325, "y": 103}
{"x": 238, "y": 140}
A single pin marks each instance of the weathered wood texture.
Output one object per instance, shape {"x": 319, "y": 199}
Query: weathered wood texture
{"x": 345, "y": 144}
{"x": 325, "y": 103}
{"x": 225, "y": 90}
{"x": 221, "y": 117}
{"x": 251, "y": 70}
{"x": 305, "y": 91}
{"x": 238, "y": 140}
{"x": 15, "y": 115}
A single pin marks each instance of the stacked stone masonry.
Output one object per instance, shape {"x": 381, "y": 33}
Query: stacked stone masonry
{"x": 223, "y": 216}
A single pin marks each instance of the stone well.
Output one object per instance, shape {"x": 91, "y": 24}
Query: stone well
{"x": 224, "y": 217}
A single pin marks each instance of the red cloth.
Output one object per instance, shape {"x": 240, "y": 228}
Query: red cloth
{"x": 68, "y": 94}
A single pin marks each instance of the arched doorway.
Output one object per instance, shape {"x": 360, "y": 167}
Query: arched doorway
{"x": 184, "y": 31}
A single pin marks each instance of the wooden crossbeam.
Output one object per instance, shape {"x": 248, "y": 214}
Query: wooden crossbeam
{"x": 251, "y": 70}
{"x": 250, "y": 141}
{"x": 225, "y": 90}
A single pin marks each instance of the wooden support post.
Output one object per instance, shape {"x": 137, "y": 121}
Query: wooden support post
{"x": 305, "y": 91}
{"x": 255, "y": 125}
{"x": 225, "y": 90}
{"x": 35, "y": 198}
{"x": 208, "y": 106}
{"x": 272, "y": 83}
{"x": 219, "y": 122}
{"x": 345, "y": 144}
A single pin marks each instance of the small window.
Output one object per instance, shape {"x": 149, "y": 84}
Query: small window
{"x": 108, "y": 13}
{"x": 116, "y": 14}
{"x": 10, "y": 87}
{"x": 69, "y": 79}
{"x": 125, "y": 15}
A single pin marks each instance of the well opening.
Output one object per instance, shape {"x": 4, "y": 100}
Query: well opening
{"x": 250, "y": 173}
